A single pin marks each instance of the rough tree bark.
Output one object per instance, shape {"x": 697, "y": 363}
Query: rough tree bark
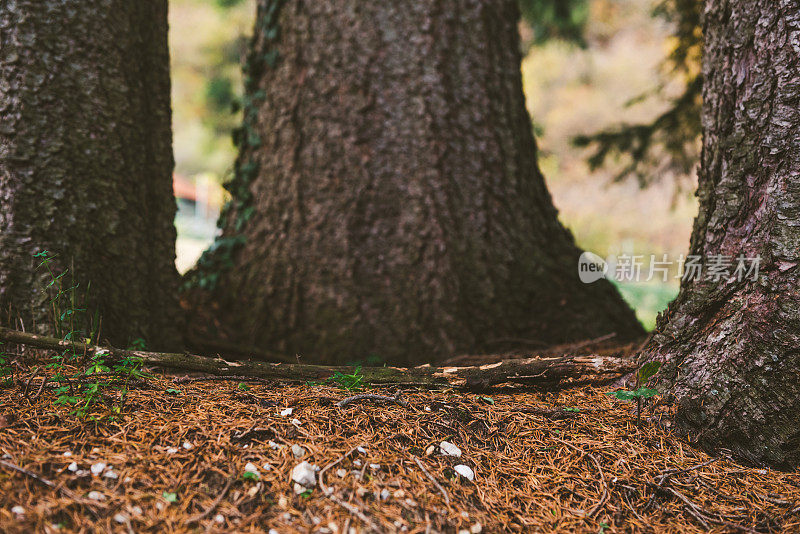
{"x": 86, "y": 161}
{"x": 731, "y": 346}
{"x": 387, "y": 199}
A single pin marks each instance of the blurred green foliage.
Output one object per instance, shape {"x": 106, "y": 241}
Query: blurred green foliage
{"x": 556, "y": 19}
{"x": 669, "y": 144}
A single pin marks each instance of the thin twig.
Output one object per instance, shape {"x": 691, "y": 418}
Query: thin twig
{"x": 213, "y": 505}
{"x": 328, "y": 492}
{"x": 604, "y": 496}
{"x": 50, "y": 484}
{"x": 435, "y": 482}
{"x": 371, "y": 396}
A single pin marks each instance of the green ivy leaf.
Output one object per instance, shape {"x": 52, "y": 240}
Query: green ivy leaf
{"x": 170, "y": 497}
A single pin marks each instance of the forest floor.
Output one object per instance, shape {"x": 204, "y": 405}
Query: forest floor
{"x": 177, "y": 459}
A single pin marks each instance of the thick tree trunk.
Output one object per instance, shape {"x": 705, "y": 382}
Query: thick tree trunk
{"x": 387, "y": 199}
{"x": 731, "y": 346}
{"x": 86, "y": 161}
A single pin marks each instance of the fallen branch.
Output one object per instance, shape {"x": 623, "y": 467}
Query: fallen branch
{"x": 539, "y": 372}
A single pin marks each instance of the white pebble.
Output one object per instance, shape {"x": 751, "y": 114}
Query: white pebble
{"x": 136, "y": 510}
{"x": 374, "y": 467}
{"x": 219, "y": 518}
{"x": 172, "y": 450}
{"x": 73, "y": 467}
{"x": 96, "y": 496}
{"x": 385, "y": 494}
{"x": 357, "y": 463}
{"x": 111, "y": 474}
{"x": 121, "y": 518}
{"x": 463, "y": 531}
{"x": 341, "y": 473}
{"x": 98, "y": 468}
{"x": 18, "y": 510}
{"x": 67, "y": 454}
{"x": 305, "y": 474}
{"x": 298, "y": 451}
{"x": 188, "y": 445}
{"x": 287, "y": 412}
{"x": 273, "y": 531}
{"x": 266, "y": 467}
{"x": 465, "y": 471}
{"x": 296, "y": 422}
{"x": 274, "y": 445}
{"x": 449, "y": 449}
{"x": 251, "y": 468}
{"x": 477, "y": 528}
{"x": 361, "y": 449}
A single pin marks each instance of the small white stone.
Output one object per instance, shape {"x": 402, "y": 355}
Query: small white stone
{"x": 18, "y": 510}
{"x": 465, "y": 515}
{"x": 305, "y": 474}
{"x": 127, "y": 480}
{"x": 477, "y": 528}
{"x": 283, "y": 502}
{"x": 98, "y": 468}
{"x": 73, "y": 467}
{"x": 251, "y": 468}
{"x": 188, "y": 445}
{"x": 121, "y": 518}
{"x": 96, "y": 496}
{"x": 67, "y": 454}
{"x": 341, "y": 473}
{"x": 430, "y": 450}
{"x": 463, "y": 531}
{"x": 361, "y": 449}
{"x": 287, "y": 516}
{"x": 449, "y": 449}
{"x": 298, "y": 451}
{"x": 385, "y": 494}
{"x": 399, "y": 494}
{"x": 374, "y": 467}
{"x": 296, "y": 422}
{"x": 287, "y": 412}
{"x": 465, "y": 471}
{"x": 299, "y": 488}
{"x": 111, "y": 474}
{"x": 172, "y": 450}
{"x": 427, "y": 408}
{"x": 81, "y": 472}
{"x": 136, "y": 510}
{"x": 273, "y": 531}
{"x": 274, "y": 445}
{"x": 219, "y": 518}
{"x": 357, "y": 463}
{"x": 266, "y": 467}
{"x": 95, "y": 450}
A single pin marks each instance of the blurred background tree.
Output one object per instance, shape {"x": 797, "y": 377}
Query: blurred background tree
{"x": 622, "y": 71}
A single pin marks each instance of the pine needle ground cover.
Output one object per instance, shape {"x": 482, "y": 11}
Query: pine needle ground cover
{"x": 189, "y": 455}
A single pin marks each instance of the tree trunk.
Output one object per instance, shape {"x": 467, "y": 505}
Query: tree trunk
{"x": 86, "y": 162}
{"x": 387, "y": 200}
{"x": 731, "y": 346}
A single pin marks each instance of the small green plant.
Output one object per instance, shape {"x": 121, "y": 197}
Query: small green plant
{"x": 243, "y": 387}
{"x": 170, "y": 497}
{"x": 350, "y": 382}
{"x": 5, "y": 367}
{"x": 307, "y": 493}
{"x": 173, "y": 391}
{"x": 86, "y": 387}
{"x": 250, "y": 475}
{"x": 645, "y": 373}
